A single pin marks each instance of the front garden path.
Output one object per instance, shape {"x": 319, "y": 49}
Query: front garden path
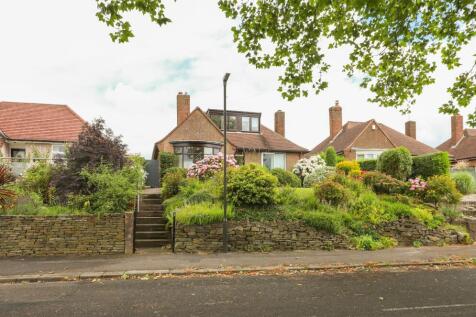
{"x": 235, "y": 260}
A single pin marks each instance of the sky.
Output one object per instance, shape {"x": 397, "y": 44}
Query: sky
{"x": 56, "y": 51}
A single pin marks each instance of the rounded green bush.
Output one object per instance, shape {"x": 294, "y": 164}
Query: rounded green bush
{"x": 286, "y": 178}
{"x": 171, "y": 183}
{"x": 396, "y": 162}
{"x": 332, "y": 193}
{"x": 464, "y": 182}
{"x": 252, "y": 185}
{"x": 441, "y": 189}
{"x": 383, "y": 184}
{"x": 330, "y": 156}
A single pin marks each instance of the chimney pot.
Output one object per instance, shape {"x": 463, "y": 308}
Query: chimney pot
{"x": 456, "y": 129}
{"x": 280, "y": 122}
{"x": 335, "y": 119}
{"x": 183, "y": 107}
{"x": 410, "y": 129}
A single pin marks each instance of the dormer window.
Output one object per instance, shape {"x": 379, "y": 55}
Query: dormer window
{"x": 238, "y": 121}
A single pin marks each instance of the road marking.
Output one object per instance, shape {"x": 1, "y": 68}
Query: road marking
{"x": 427, "y": 307}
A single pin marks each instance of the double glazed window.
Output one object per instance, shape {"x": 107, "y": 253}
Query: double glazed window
{"x": 274, "y": 160}
{"x": 58, "y": 151}
{"x": 370, "y": 154}
{"x": 244, "y": 122}
{"x": 187, "y": 155}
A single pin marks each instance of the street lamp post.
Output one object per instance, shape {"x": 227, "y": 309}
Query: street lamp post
{"x": 225, "y": 118}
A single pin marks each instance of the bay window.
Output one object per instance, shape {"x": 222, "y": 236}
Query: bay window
{"x": 187, "y": 153}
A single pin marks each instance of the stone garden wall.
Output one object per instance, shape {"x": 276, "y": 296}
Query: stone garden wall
{"x": 284, "y": 235}
{"x": 63, "y": 235}
{"x": 468, "y": 205}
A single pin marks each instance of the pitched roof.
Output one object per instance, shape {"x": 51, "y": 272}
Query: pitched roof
{"x": 267, "y": 140}
{"x": 39, "y": 122}
{"x": 465, "y": 149}
{"x": 351, "y": 131}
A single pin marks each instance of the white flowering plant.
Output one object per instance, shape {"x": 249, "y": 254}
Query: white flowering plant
{"x": 308, "y": 166}
{"x": 208, "y": 166}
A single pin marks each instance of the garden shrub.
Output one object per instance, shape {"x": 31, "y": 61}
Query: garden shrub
{"x": 368, "y": 165}
{"x": 441, "y": 189}
{"x": 368, "y": 208}
{"x": 354, "y": 185}
{"x": 171, "y": 183}
{"x": 286, "y": 178}
{"x": 209, "y": 166}
{"x": 251, "y": 185}
{"x": 318, "y": 176}
{"x": 332, "y": 193}
{"x": 6, "y": 194}
{"x": 431, "y": 164}
{"x": 296, "y": 198}
{"x": 464, "y": 182}
{"x": 201, "y": 214}
{"x": 370, "y": 243}
{"x": 451, "y": 213}
{"x": 383, "y": 184}
{"x": 396, "y": 162}
{"x": 38, "y": 180}
{"x": 176, "y": 169}
{"x": 114, "y": 190}
{"x": 330, "y": 156}
{"x": 347, "y": 166}
{"x": 167, "y": 160}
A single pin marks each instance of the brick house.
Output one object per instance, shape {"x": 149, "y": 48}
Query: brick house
{"x": 200, "y": 133}
{"x": 32, "y": 131}
{"x": 462, "y": 144}
{"x": 367, "y": 140}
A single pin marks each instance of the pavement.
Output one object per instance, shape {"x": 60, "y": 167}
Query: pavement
{"x": 165, "y": 263}
{"x": 397, "y": 293}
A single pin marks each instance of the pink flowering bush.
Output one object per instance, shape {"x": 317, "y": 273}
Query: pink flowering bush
{"x": 417, "y": 184}
{"x": 209, "y": 166}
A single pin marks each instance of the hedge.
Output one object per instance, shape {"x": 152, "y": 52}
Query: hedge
{"x": 368, "y": 165}
{"x": 428, "y": 165}
{"x": 166, "y": 161}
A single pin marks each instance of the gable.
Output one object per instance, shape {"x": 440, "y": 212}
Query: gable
{"x": 372, "y": 139}
{"x": 196, "y": 127}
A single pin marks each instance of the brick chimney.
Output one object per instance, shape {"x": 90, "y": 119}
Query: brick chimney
{"x": 456, "y": 128}
{"x": 279, "y": 122}
{"x": 183, "y": 107}
{"x": 335, "y": 119}
{"x": 410, "y": 129}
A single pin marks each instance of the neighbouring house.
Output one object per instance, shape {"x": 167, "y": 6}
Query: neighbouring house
{"x": 33, "y": 131}
{"x": 199, "y": 134}
{"x": 367, "y": 140}
{"x": 462, "y": 144}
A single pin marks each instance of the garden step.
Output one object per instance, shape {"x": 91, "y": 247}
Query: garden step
{"x": 150, "y": 227}
{"x": 152, "y": 201}
{"x": 144, "y": 213}
{"x": 151, "y": 243}
{"x": 151, "y": 220}
{"x": 150, "y": 207}
{"x": 152, "y": 235}
{"x": 152, "y": 196}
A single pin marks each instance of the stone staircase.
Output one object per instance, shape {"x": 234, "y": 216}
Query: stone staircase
{"x": 150, "y": 223}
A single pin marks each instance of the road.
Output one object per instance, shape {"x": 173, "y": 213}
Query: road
{"x": 413, "y": 293}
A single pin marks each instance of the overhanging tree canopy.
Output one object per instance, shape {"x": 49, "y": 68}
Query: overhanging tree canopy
{"x": 394, "y": 45}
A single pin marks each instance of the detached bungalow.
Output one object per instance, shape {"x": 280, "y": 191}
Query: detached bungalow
{"x": 367, "y": 140}
{"x": 199, "y": 134}
{"x": 32, "y": 131}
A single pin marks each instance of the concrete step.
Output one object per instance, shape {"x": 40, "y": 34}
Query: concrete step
{"x": 151, "y": 196}
{"x": 150, "y": 227}
{"x": 151, "y": 220}
{"x": 151, "y": 208}
{"x": 150, "y": 214}
{"x": 151, "y": 243}
{"x": 152, "y": 235}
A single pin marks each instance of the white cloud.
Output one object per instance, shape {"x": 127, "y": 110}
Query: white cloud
{"x": 57, "y": 52}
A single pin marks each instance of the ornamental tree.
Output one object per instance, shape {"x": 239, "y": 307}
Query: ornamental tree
{"x": 394, "y": 45}
{"x": 307, "y": 166}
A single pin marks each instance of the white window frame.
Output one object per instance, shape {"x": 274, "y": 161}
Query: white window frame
{"x": 368, "y": 154}
{"x": 256, "y": 119}
{"x": 274, "y": 153}
{"x": 58, "y": 154}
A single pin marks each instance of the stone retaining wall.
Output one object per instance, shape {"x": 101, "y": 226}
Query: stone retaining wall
{"x": 63, "y": 235}
{"x": 284, "y": 235}
{"x": 468, "y": 205}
